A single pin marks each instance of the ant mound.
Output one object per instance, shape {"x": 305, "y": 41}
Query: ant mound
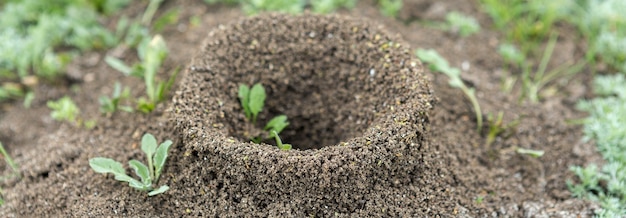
{"x": 357, "y": 103}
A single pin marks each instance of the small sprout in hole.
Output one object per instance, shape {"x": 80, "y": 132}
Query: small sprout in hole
{"x": 149, "y": 175}
{"x": 252, "y": 101}
{"x": 279, "y": 142}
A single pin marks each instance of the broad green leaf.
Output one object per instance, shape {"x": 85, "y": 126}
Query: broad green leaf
{"x": 159, "y": 190}
{"x": 277, "y": 123}
{"x": 118, "y": 65}
{"x": 256, "y": 101}
{"x": 244, "y": 98}
{"x": 148, "y": 144}
{"x": 160, "y": 157}
{"x": 142, "y": 171}
{"x": 107, "y": 165}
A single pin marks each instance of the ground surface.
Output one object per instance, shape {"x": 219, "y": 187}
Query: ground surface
{"x": 461, "y": 169}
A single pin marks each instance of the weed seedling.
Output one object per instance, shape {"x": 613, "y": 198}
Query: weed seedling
{"x": 439, "y": 64}
{"x": 279, "y": 142}
{"x": 252, "y": 101}
{"x": 461, "y": 24}
{"x": 112, "y": 104}
{"x": 497, "y": 127}
{"x": 64, "y": 109}
{"x": 152, "y": 55}
{"x": 149, "y": 175}
{"x": 532, "y": 83}
{"x": 390, "y": 8}
{"x": 15, "y": 173}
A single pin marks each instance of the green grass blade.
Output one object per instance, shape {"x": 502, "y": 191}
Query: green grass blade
{"x": 118, "y": 65}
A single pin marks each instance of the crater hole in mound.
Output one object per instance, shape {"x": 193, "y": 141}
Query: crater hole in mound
{"x": 326, "y": 101}
{"x": 331, "y": 77}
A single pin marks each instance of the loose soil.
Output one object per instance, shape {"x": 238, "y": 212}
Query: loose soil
{"x": 374, "y": 135}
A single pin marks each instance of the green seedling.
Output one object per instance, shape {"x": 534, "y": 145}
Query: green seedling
{"x": 530, "y": 152}
{"x": 10, "y": 162}
{"x": 390, "y": 8}
{"x": 112, "y": 104}
{"x": 461, "y": 24}
{"x": 497, "y": 127}
{"x": 149, "y": 175}
{"x": 605, "y": 127}
{"x": 439, "y": 64}
{"x": 252, "y": 100}
{"x": 33, "y": 30}
{"x": 168, "y": 18}
{"x": 279, "y": 142}
{"x": 14, "y": 169}
{"x": 286, "y": 6}
{"x": 152, "y": 55}
{"x": 64, "y": 109}
{"x": 329, "y": 6}
{"x": 525, "y": 22}
{"x": 532, "y": 83}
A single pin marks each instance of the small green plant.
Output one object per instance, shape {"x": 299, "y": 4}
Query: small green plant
{"x": 439, "y": 64}
{"x": 252, "y": 101}
{"x": 64, "y": 109}
{"x": 525, "y": 22}
{"x": 497, "y": 127}
{"x": 532, "y": 83}
{"x": 12, "y": 165}
{"x": 390, "y": 8}
{"x": 149, "y": 175}
{"x": 152, "y": 55}
{"x": 605, "y": 126}
{"x": 286, "y": 6}
{"x": 328, "y": 6}
{"x": 461, "y": 24}
{"x": 279, "y": 142}
{"x": 32, "y": 30}
{"x": 112, "y": 104}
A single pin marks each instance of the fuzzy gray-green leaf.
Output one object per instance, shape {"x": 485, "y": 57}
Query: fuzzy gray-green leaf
{"x": 107, "y": 165}
{"x": 148, "y": 144}
{"x": 159, "y": 190}
{"x": 142, "y": 171}
{"x": 160, "y": 157}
